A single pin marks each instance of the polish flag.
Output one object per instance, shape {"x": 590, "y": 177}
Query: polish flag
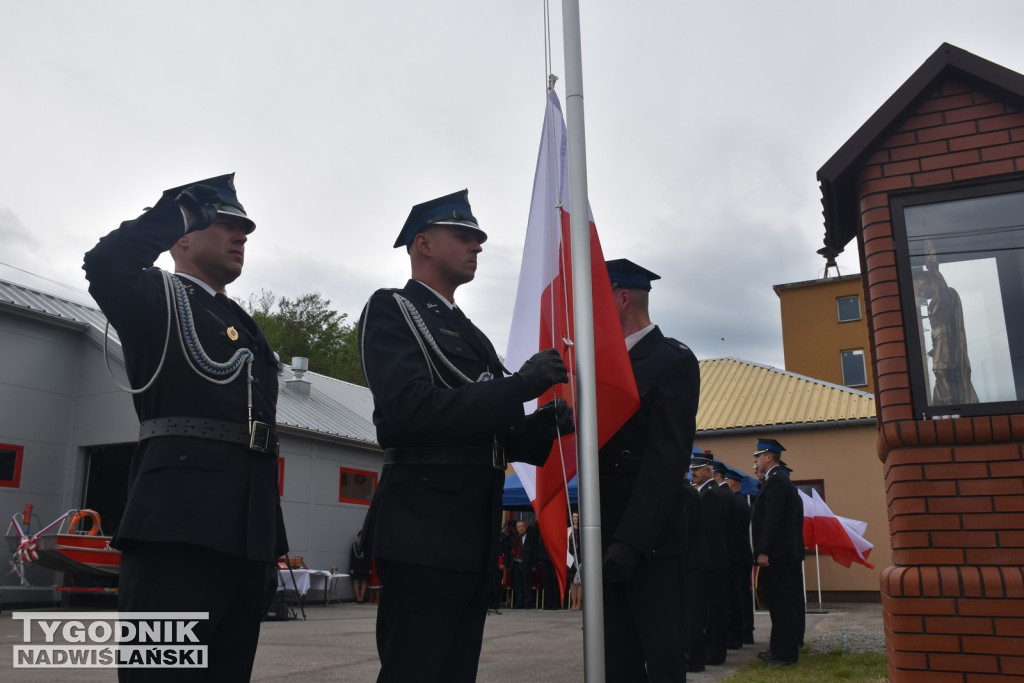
{"x": 543, "y": 318}
{"x": 841, "y": 538}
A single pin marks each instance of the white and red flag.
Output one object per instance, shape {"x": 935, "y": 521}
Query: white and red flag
{"x": 838, "y": 537}
{"x": 543, "y": 318}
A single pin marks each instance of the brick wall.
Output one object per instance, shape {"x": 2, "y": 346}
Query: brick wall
{"x": 954, "y": 598}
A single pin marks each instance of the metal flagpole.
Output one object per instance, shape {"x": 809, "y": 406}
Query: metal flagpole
{"x": 817, "y": 564}
{"x": 586, "y": 390}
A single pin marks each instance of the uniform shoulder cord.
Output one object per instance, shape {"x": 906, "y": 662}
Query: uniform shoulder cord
{"x": 178, "y": 306}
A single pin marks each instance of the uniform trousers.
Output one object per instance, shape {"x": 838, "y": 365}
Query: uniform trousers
{"x": 430, "y": 623}
{"x": 716, "y": 584}
{"x": 741, "y": 621}
{"x": 694, "y": 619}
{"x": 177, "y": 577}
{"x": 643, "y": 625}
{"x": 782, "y": 587}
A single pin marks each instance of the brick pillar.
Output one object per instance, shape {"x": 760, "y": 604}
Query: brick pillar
{"x": 953, "y": 601}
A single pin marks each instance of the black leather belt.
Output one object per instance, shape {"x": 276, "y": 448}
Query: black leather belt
{"x": 442, "y": 455}
{"x": 619, "y": 465}
{"x": 260, "y": 438}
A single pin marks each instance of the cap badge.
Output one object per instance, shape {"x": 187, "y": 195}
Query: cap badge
{"x": 232, "y": 333}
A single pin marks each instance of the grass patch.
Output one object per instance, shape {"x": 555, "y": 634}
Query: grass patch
{"x": 834, "y": 666}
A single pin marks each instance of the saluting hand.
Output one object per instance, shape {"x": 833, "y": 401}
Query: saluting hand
{"x": 200, "y": 205}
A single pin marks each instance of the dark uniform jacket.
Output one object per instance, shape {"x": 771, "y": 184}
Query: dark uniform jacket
{"x": 695, "y": 557}
{"x": 432, "y": 514}
{"x": 717, "y": 511}
{"x": 778, "y": 518}
{"x": 643, "y": 466}
{"x": 213, "y": 494}
{"x": 738, "y": 533}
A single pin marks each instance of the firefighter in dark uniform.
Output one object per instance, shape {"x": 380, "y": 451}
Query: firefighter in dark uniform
{"x": 717, "y": 511}
{"x": 777, "y": 518}
{"x": 202, "y": 526}
{"x": 448, "y": 420}
{"x": 642, "y": 475}
{"x": 741, "y": 616}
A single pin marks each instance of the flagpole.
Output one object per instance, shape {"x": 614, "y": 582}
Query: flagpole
{"x": 817, "y": 564}
{"x": 586, "y": 391}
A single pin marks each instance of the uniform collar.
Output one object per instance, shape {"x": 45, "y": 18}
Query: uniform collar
{"x": 632, "y": 339}
{"x": 206, "y": 288}
{"x": 449, "y": 304}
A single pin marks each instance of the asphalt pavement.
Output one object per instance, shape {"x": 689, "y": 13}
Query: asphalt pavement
{"x": 336, "y": 643}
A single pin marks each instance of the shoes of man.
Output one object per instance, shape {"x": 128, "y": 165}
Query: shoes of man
{"x": 734, "y": 645}
{"x": 765, "y": 655}
{"x": 694, "y": 668}
{"x": 779, "y": 662}
{"x": 748, "y": 640}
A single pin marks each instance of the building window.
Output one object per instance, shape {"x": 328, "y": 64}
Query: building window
{"x": 854, "y": 372}
{"x": 961, "y": 269}
{"x": 809, "y": 486}
{"x": 356, "y": 486}
{"x": 10, "y": 465}
{"x": 849, "y": 308}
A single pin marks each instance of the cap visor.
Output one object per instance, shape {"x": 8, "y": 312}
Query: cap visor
{"x": 466, "y": 225}
{"x": 228, "y": 211}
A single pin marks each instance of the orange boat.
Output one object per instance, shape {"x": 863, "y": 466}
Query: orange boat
{"x": 74, "y": 543}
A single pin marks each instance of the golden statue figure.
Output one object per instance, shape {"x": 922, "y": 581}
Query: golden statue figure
{"x": 950, "y": 362}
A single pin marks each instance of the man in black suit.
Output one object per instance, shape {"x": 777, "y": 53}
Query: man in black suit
{"x": 695, "y": 564}
{"x": 448, "y": 420}
{"x": 777, "y": 518}
{"x": 524, "y": 559}
{"x": 642, "y": 474}
{"x": 202, "y": 526}
{"x": 717, "y": 510}
{"x": 741, "y": 618}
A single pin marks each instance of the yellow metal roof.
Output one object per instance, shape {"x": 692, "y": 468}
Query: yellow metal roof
{"x": 735, "y": 394}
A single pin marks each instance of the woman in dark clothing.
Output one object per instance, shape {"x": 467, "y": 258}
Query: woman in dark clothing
{"x": 358, "y": 568}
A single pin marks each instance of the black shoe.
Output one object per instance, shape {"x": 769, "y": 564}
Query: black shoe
{"x": 716, "y": 662}
{"x": 693, "y": 669}
{"x": 748, "y": 640}
{"x": 765, "y": 655}
{"x": 735, "y": 645}
{"x": 779, "y": 662}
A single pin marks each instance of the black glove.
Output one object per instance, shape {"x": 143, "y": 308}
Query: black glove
{"x": 620, "y": 561}
{"x": 540, "y": 372}
{"x": 202, "y": 202}
{"x": 551, "y": 420}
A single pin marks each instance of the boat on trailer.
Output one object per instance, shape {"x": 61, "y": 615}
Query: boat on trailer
{"x": 72, "y": 543}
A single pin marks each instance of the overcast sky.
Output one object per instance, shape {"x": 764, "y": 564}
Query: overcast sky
{"x": 705, "y": 124}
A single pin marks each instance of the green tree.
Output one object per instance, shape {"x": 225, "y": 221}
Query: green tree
{"x": 306, "y": 326}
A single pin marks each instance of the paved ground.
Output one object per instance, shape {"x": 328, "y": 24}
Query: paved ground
{"x": 336, "y": 643}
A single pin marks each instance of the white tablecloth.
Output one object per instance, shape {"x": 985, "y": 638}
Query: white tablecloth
{"x": 300, "y": 584}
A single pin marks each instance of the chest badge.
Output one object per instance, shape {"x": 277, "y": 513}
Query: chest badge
{"x": 232, "y": 333}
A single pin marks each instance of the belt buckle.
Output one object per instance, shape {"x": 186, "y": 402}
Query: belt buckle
{"x": 498, "y": 460}
{"x": 259, "y": 437}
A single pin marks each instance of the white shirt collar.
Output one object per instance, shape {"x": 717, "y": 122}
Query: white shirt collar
{"x": 449, "y": 304}
{"x": 632, "y": 339}
{"x": 209, "y": 290}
